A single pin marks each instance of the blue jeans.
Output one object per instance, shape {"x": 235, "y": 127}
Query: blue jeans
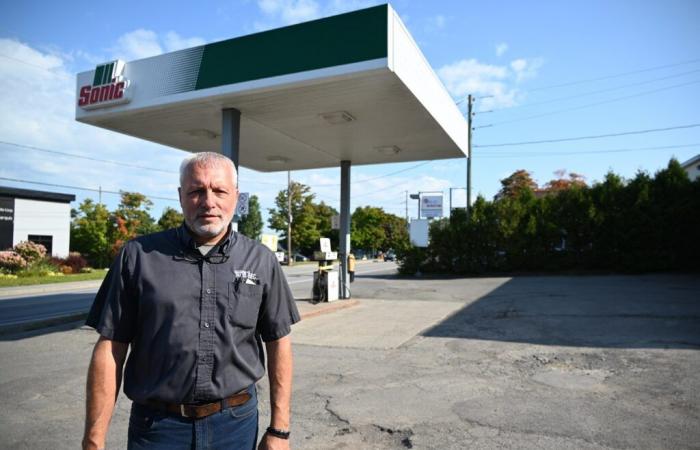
{"x": 230, "y": 429}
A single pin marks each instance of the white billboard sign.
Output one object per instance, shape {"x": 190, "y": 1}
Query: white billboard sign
{"x": 418, "y": 231}
{"x": 431, "y": 206}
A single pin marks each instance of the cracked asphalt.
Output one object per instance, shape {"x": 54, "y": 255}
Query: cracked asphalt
{"x": 589, "y": 362}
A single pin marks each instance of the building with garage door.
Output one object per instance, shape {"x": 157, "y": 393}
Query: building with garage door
{"x": 37, "y": 216}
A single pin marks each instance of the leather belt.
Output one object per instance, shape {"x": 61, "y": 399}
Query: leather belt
{"x": 200, "y": 411}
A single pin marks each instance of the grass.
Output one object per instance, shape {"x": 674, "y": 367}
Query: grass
{"x": 26, "y": 281}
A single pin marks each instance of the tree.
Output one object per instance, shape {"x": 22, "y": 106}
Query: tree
{"x": 251, "y": 225}
{"x": 515, "y": 184}
{"x": 367, "y": 231}
{"x": 134, "y": 211}
{"x": 171, "y": 218}
{"x": 562, "y": 183}
{"x": 305, "y": 223}
{"x": 90, "y": 233}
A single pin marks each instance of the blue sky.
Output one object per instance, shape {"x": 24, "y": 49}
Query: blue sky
{"x": 548, "y": 70}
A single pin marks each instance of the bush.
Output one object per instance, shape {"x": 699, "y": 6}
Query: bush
{"x": 74, "y": 263}
{"x": 40, "y": 268}
{"x": 30, "y": 251}
{"x": 11, "y": 262}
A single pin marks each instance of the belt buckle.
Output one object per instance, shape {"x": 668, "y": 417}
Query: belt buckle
{"x": 182, "y": 411}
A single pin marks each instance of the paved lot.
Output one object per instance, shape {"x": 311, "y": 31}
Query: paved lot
{"x": 527, "y": 362}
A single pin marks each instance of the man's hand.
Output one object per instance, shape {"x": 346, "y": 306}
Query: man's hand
{"x": 103, "y": 380}
{"x": 270, "y": 442}
{"x": 279, "y": 366}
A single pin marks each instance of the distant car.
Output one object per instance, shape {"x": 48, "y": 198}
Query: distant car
{"x": 390, "y": 256}
{"x": 298, "y": 257}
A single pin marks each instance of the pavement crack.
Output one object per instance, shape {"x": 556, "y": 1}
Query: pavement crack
{"x": 404, "y": 436}
{"x": 342, "y": 430}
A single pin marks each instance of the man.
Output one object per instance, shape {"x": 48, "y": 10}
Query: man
{"x": 195, "y": 304}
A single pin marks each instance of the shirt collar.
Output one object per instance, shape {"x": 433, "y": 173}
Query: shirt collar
{"x": 224, "y": 246}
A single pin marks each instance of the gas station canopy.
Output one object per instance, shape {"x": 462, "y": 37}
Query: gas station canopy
{"x": 353, "y": 87}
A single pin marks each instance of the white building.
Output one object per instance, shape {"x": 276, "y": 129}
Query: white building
{"x": 37, "y": 216}
{"x": 692, "y": 167}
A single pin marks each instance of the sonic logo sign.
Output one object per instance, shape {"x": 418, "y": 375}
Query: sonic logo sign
{"x": 109, "y": 87}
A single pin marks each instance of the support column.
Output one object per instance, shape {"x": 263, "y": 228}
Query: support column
{"x": 344, "y": 234}
{"x": 230, "y": 138}
{"x": 230, "y": 134}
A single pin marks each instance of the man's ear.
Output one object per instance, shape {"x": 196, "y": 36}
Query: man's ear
{"x": 179, "y": 195}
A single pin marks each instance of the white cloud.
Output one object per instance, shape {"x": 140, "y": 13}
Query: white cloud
{"x": 501, "y": 49}
{"x": 174, "y": 41}
{"x": 295, "y": 11}
{"x": 290, "y": 11}
{"x": 469, "y": 76}
{"x": 143, "y": 43}
{"x": 137, "y": 44}
{"x": 435, "y": 23}
{"x": 525, "y": 69}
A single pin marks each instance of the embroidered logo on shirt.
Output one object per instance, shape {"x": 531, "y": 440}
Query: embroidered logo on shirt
{"x": 246, "y": 276}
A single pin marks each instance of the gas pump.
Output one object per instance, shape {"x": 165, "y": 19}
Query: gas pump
{"x": 325, "y": 287}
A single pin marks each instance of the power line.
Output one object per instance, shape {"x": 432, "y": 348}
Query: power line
{"x": 579, "y": 138}
{"x": 590, "y": 105}
{"x": 109, "y": 161}
{"x": 583, "y": 152}
{"x": 585, "y": 94}
{"x": 607, "y": 77}
{"x": 73, "y": 155}
{"x": 84, "y": 188}
{"x": 25, "y": 62}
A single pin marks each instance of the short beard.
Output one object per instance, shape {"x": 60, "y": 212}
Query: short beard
{"x": 207, "y": 231}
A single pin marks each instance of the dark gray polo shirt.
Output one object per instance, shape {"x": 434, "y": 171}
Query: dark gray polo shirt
{"x": 195, "y": 324}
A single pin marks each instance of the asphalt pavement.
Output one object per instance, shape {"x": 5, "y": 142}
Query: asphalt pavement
{"x": 589, "y": 362}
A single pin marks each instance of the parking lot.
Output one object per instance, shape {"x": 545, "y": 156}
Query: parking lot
{"x": 512, "y": 362}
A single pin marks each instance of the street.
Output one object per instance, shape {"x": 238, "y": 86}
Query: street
{"x": 541, "y": 362}
{"x": 24, "y": 305}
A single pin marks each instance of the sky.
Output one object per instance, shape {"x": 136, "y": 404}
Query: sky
{"x": 540, "y": 71}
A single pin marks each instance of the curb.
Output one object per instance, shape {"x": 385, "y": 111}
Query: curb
{"x": 331, "y": 307}
{"x": 43, "y": 323}
{"x": 327, "y": 308}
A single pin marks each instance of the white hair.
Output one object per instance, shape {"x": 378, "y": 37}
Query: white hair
{"x": 206, "y": 159}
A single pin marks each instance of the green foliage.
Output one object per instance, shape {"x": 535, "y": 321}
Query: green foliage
{"x": 171, "y": 218}
{"x": 91, "y": 233}
{"x": 30, "y": 251}
{"x": 644, "y": 224}
{"x": 134, "y": 211}
{"x": 251, "y": 225}
{"x": 306, "y": 223}
{"x": 373, "y": 230}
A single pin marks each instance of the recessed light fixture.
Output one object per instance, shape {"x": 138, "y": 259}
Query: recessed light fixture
{"x": 277, "y": 159}
{"x": 337, "y": 117}
{"x": 202, "y": 133}
{"x": 388, "y": 150}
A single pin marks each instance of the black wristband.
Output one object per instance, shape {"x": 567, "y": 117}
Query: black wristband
{"x": 278, "y": 433}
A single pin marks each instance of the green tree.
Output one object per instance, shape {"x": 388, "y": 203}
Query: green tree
{"x": 325, "y": 214}
{"x": 134, "y": 209}
{"x": 251, "y": 225}
{"x": 90, "y": 233}
{"x": 367, "y": 230}
{"x": 305, "y": 223}
{"x": 171, "y": 218}
{"x": 516, "y": 183}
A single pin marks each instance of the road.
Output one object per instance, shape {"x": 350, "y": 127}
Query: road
{"x": 538, "y": 362}
{"x": 71, "y": 300}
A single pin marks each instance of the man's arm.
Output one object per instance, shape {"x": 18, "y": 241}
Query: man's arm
{"x": 103, "y": 381}
{"x": 279, "y": 355}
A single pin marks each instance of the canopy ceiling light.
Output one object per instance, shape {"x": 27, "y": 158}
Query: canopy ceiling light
{"x": 337, "y": 117}
{"x": 388, "y": 150}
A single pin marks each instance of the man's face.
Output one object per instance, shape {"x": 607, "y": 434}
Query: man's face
{"x": 208, "y": 198}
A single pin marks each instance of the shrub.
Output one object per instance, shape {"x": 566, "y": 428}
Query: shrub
{"x": 75, "y": 262}
{"x": 11, "y": 262}
{"x": 40, "y": 268}
{"x": 30, "y": 251}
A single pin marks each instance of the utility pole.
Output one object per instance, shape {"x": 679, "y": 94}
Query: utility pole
{"x": 290, "y": 258}
{"x": 100, "y": 201}
{"x": 469, "y": 157}
{"x": 406, "y": 206}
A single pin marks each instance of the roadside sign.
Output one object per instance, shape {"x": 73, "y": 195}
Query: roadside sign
{"x": 242, "y": 207}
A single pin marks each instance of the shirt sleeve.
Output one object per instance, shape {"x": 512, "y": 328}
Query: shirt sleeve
{"x": 279, "y": 311}
{"x": 113, "y": 313}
